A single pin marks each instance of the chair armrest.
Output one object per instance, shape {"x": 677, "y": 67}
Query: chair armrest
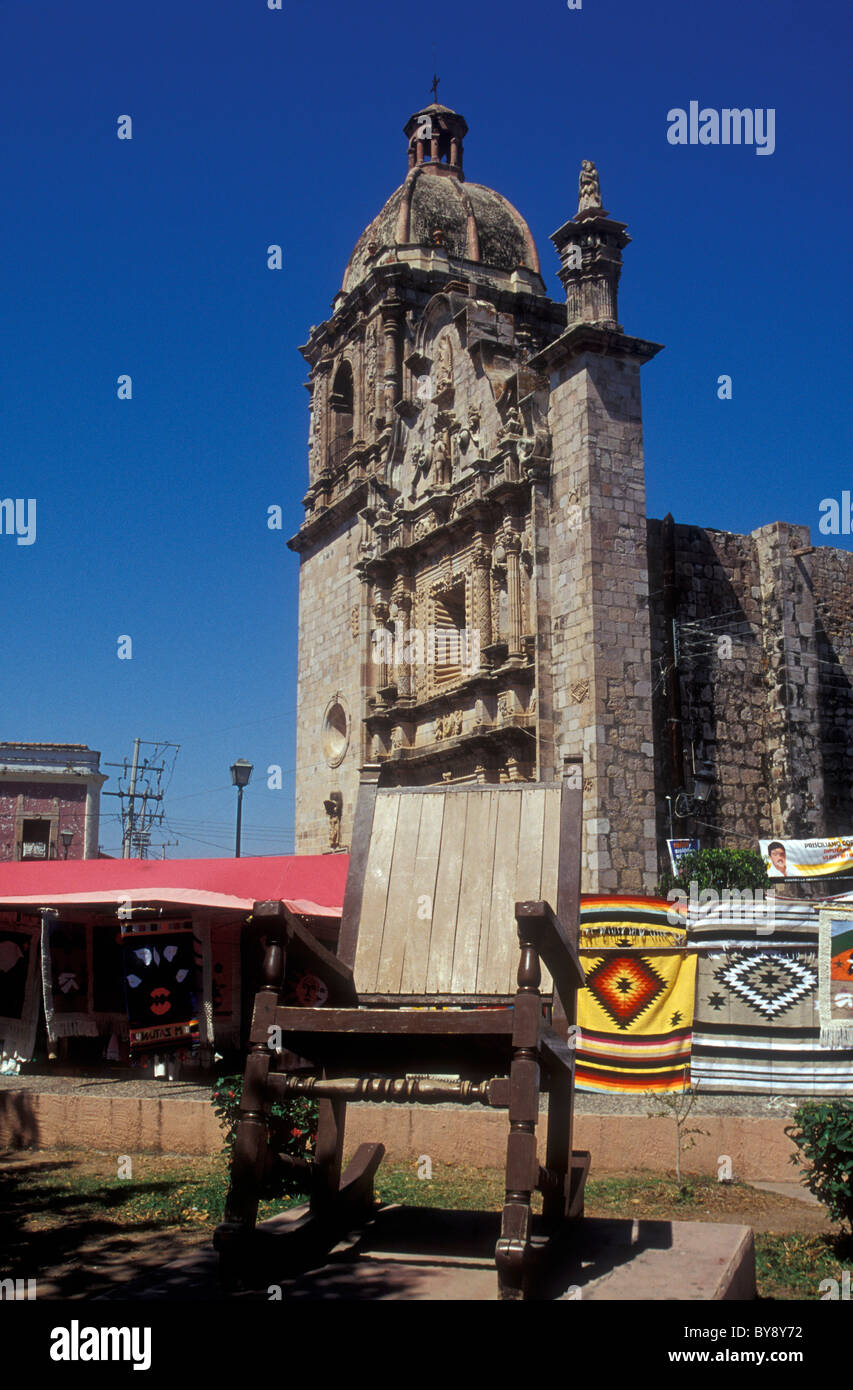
{"x": 539, "y": 924}
{"x": 303, "y": 948}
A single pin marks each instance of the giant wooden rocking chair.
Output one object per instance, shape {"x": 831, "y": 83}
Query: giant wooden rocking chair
{"x": 439, "y": 878}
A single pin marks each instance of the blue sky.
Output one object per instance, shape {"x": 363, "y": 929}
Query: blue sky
{"x": 253, "y": 127}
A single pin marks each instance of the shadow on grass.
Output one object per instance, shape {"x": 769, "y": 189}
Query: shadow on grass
{"x": 87, "y": 1246}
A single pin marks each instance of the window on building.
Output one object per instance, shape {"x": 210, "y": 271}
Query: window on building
{"x": 341, "y": 406}
{"x": 449, "y": 653}
{"x": 35, "y": 839}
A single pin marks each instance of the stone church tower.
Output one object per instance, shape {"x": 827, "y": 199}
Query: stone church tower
{"x": 474, "y": 582}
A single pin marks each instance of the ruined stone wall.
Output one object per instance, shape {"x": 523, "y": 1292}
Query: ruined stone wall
{"x": 832, "y": 578}
{"x": 765, "y": 657}
{"x": 720, "y": 674}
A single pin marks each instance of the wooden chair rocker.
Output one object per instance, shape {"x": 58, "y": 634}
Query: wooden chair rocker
{"x": 428, "y": 984}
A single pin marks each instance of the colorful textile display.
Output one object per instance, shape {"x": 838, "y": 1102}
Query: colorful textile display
{"x": 757, "y": 1027}
{"x": 66, "y": 974}
{"x": 835, "y": 963}
{"x": 19, "y": 986}
{"x": 81, "y": 979}
{"x": 161, "y": 985}
{"x": 635, "y": 1015}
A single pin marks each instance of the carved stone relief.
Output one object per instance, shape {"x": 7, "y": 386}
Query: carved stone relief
{"x": 443, "y": 377}
{"x": 448, "y": 725}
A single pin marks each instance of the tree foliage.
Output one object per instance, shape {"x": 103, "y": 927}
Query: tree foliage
{"x": 718, "y": 869}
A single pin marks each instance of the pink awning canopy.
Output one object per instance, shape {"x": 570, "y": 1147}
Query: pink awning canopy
{"x": 310, "y": 884}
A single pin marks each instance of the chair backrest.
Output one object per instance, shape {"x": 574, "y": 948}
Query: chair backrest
{"x": 434, "y": 876}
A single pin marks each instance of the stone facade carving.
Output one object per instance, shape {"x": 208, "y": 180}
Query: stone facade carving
{"x": 443, "y": 381}
{"x": 513, "y": 425}
{"x": 441, "y": 467}
{"x": 370, "y": 381}
{"x": 448, "y": 725}
{"x": 506, "y": 705}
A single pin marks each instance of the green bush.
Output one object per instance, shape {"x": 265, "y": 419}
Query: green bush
{"x": 718, "y": 869}
{"x": 299, "y": 1133}
{"x": 823, "y": 1131}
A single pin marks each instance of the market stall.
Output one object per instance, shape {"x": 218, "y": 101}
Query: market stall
{"x": 146, "y": 962}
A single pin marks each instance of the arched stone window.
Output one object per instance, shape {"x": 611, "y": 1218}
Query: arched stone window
{"x": 341, "y": 416}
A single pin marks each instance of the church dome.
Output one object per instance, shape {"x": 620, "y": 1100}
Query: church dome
{"x": 435, "y": 208}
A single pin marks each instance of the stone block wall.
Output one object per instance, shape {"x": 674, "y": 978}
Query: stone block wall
{"x": 331, "y": 640}
{"x": 765, "y": 659}
{"x": 600, "y": 638}
{"x": 832, "y": 579}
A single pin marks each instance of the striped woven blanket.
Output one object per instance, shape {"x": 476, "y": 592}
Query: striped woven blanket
{"x": 757, "y": 1027}
{"x": 635, "y": 1015}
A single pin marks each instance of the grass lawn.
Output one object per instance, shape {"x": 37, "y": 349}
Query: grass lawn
{"x": 66, "y": 1211}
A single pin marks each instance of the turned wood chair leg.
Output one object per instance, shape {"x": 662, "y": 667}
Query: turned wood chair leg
{"x": 248, "y": 1159}
{"x": 250, "y": 1155}
{"x": 514, "y": 1253}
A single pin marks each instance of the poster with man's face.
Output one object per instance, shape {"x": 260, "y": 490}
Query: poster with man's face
{"x": 807, "y": 858}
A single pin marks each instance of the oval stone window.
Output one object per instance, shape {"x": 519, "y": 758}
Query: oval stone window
{"x": 335, "y": 733}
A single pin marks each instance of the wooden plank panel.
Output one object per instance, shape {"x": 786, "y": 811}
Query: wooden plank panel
{"x": 399, "y": 904}
{"x": 474, "y": 895}
{"x": 375, "y": 895}
{"x": 423, "y": 879}
{"x": 528, "y": 878}
{"x": 446, "y": 903}
{"x": 501, "y": 963}
{"x": 361, "y": 831}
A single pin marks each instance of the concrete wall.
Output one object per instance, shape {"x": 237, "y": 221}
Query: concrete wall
{"x": 43, "y": 1120}
{"x": 756, "y": 1145}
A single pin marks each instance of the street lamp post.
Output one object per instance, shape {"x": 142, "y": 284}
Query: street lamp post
{"x": 241, "y": 771}
{"x": 66, "y": 836}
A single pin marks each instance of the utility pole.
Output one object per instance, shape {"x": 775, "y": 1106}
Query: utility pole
{"x": 128, "y": 825}
{"x": 137, "y": 823}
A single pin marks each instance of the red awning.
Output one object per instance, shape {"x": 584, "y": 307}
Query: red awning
{"x": 311, "y": 884}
